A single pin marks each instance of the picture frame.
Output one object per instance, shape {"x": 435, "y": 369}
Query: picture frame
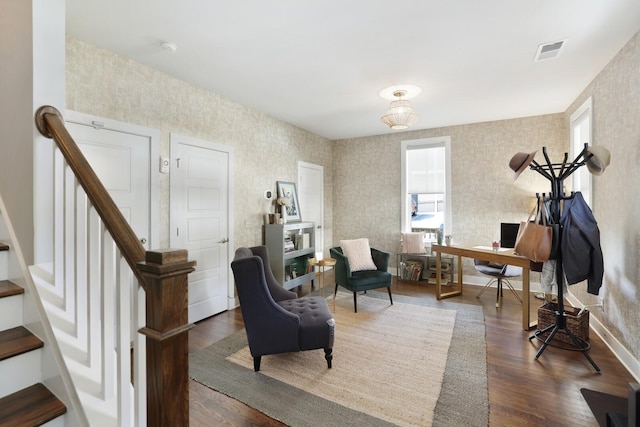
{"x": 288, "y": 190}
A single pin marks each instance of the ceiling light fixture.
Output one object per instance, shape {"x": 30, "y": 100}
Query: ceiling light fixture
{"x": 169, "y": 47}
{"x": 400, "y": 115}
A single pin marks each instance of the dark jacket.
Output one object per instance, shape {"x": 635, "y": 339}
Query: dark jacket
{"x": 580, "y": 245}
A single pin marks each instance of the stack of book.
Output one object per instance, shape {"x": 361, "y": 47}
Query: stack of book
{"x": 411, "y": 270}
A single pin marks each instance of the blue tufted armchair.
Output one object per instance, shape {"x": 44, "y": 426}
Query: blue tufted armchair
{"x": 276, "y": 320}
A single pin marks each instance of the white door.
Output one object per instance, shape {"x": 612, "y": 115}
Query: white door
{"x": 311, "y": 199}
{"x": 122, "y": 162}
{"x": 200, "y": 181}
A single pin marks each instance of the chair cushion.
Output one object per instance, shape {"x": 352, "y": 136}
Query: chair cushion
{"x": 368, "y": 277}
{"x": 413, "y": 243}
{"x": 358, "y": 252}
{"x": 489, "y": 270}
{"x": 315, "y": 329}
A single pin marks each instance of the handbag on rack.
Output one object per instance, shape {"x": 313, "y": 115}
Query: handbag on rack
{"x": 555, "y": 229}
{"x": 534, "y": 241}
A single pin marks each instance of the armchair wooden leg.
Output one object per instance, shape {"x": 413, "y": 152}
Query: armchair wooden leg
{"x": 355, "y": 302}
{"x": 390, "y": 298}
{"x": 328, "y": 356}
{"x": 256, "y": 363}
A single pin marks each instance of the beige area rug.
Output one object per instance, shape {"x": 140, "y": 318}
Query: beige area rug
{"x": 407, "y": 364}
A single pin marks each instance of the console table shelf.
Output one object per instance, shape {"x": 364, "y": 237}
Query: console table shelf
{"x": 406, "y": 271}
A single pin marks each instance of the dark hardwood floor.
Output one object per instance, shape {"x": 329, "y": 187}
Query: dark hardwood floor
{"x": 522, "y": 391}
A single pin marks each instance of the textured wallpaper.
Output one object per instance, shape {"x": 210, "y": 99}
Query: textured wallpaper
{"x": 616, "y": 125}
{"x": 266, "y": 150}
{"x": 367, "y": 178}
{"x": 362, "y": 176}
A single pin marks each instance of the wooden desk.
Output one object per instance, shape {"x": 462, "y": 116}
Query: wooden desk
{"x": 503, "y": 256}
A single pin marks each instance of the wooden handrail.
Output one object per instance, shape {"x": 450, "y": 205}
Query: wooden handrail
{"x": 162, "y": 273}
{"x": 50, "y": 123}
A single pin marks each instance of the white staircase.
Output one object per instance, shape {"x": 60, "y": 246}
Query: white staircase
{"x": 25, "y": 400}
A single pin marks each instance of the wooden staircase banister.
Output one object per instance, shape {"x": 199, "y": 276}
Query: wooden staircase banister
{"x": 162, "y": 273}
{"x": 50, "y": 123}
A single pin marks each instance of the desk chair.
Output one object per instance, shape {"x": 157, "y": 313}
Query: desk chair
{"x": 500, "y": 273}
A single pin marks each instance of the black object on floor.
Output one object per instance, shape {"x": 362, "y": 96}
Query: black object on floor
{"x": 601, "y": 403}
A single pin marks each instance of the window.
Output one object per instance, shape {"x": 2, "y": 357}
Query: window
{"x": 426, "y": 184}
{"x": 581, "y": 134}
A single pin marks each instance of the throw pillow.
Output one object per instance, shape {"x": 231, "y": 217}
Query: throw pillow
{"x": 358, "y": 252}
{"x": 413, "y": 243}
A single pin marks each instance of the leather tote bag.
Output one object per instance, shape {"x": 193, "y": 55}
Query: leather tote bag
{"x": 534, "y": 241}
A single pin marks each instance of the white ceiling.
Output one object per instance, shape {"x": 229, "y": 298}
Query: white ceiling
{"x": 320, "y": 64}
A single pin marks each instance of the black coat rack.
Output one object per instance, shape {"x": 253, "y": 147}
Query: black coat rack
{"x": 556, "y": 173}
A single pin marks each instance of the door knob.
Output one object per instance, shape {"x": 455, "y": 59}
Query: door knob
{"x": 224, "y": 240}
{"x": 143, "y": 240}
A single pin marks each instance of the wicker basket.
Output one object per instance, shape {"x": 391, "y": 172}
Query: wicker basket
{"x": 578, "y": 325}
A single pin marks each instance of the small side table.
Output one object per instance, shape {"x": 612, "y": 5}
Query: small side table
{"x": 321, "y": 264}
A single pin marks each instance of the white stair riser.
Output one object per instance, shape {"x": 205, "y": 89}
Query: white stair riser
{"x": 11, "y": 309}
{"x": 58, "y": 422}
{"x": 20, "y": 371}
{"x": 3, "y": 265}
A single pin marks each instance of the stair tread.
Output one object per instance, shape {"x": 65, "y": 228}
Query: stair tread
{"x": 8, "y": 288}
{"x": 4, "y": 246}
{"x": 16, "y": 341}
{"x": 31, "y": 406}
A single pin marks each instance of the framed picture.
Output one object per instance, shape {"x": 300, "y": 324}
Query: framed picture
{"x": 288, "y": 190}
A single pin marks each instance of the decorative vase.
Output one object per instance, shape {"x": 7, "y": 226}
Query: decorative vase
{"x": 283, "y": 211}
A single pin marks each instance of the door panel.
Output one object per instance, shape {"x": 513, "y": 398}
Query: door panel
{"x": 121, "y": 161}
{"x": 199, "y": 220}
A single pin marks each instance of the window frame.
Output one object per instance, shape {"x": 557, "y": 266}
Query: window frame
{"x": 582, "y": 180}
{"x": 414, "y": 144}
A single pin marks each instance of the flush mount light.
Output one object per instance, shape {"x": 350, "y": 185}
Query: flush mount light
{"x": 169, "y": 47}
{"x": 400, "y": 114}
{"x": 411, "y": 91}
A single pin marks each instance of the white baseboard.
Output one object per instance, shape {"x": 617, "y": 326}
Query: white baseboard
{"x": 622, "y": 354}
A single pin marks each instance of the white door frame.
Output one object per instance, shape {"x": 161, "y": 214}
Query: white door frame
{"x": 581, "y": 125}
{"x": 319, "y": 228}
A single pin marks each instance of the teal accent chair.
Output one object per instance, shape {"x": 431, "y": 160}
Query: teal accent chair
{"x": 362, "y": 281}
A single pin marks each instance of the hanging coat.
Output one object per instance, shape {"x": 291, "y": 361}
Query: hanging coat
{"x": 580, "y": 245}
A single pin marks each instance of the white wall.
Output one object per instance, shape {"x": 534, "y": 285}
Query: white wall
{"x": 31, "y": 38}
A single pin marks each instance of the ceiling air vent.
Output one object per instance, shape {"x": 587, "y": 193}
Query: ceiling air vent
{"x": 548, "y": 50}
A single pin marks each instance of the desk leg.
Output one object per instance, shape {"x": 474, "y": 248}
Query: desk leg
{"x": 451, "y": 293}
{"x": 438, "y": 274}
{"x": 459, "y": 273}
{"x": 526, "y": 294}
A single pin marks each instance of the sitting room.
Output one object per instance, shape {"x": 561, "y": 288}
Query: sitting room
{"x": 301, "y": 128}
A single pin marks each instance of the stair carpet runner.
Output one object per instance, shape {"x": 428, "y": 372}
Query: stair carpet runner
{"x": 35, "y": 404}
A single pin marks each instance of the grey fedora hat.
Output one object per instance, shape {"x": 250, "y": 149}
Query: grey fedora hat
{"x": 599, "y": 160}
{"x": 520, "y": 161}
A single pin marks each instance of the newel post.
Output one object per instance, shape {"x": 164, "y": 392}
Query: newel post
{"x": 167, "y": 327}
